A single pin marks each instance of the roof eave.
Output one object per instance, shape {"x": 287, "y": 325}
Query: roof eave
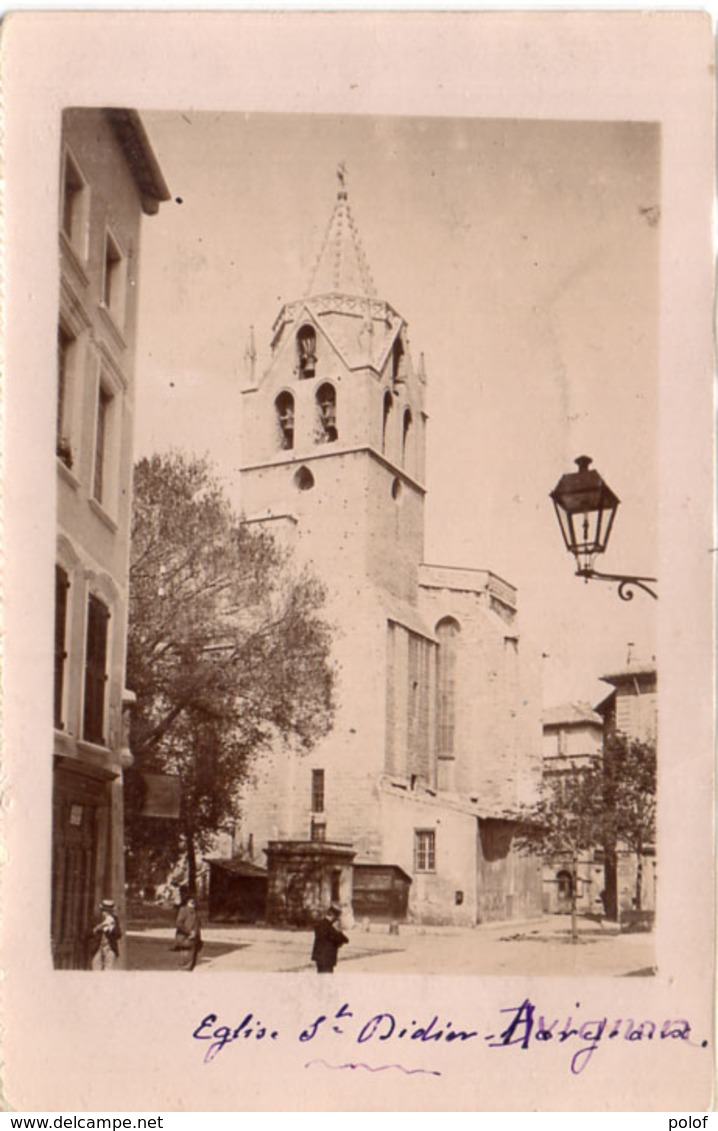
{"x": 140, "y": 156}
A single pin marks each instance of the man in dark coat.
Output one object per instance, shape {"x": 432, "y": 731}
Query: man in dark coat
{"x": 188, "y": 934}
{"x": 327, "y": 940}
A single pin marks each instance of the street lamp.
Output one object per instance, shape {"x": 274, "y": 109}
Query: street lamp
{"x": 585, "y": 507}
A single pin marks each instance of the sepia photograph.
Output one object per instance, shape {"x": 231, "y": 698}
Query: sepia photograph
{"x": 359, "y": 406}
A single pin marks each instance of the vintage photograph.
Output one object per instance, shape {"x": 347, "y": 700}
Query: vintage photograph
{"x": 328, "y": 688}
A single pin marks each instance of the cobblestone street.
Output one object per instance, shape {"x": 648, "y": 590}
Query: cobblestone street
{"x": 537, "y": 947}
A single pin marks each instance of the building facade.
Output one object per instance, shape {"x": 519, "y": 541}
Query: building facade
{"x": 109, "y": 177}
{"x": 575, "y": 736}
{"x": 437, "y": 737}
{"x": 630, "y": 709}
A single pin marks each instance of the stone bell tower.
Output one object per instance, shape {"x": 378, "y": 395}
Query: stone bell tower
{"x": 400, "y": 811}
{"x": 333, "y": 431}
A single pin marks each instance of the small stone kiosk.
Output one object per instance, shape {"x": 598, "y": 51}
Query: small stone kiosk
{"x": 304, "y": 878}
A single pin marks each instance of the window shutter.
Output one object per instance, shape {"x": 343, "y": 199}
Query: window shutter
{"x": 62, "y": 584}
{"x": 104, "y": 400}
{"x": 95, "y": 670}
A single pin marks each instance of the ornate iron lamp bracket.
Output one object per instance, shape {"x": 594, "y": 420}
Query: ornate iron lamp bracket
{"x": 626, "y": 582}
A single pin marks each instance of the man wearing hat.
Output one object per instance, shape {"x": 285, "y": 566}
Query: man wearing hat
{"x": 327, "y": 940}
{"x": 188, "y": 934}
{"x": 106, "y": 935}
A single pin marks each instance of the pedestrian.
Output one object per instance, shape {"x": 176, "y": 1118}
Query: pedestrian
{"x": 327, "y": 940}
{"x": 105, "y": 937}
{"x": 188, "y": 934}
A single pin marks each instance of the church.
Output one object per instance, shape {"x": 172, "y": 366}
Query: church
{"x": 406, "y": 810}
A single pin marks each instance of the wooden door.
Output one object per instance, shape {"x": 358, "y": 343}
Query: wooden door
{"x": 74, "y": 863}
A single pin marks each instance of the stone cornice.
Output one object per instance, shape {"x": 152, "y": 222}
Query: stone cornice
{"x": 335, "y": 303}
{"x": 297, "y": 459}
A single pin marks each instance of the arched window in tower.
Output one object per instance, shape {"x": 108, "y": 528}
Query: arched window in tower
{"x": 447, "y": 632}
{"x": 284, "y": 407}
{"x": 307, "y": 351}
{"x": 388, "y": 406}
{"x": 398, "y": 363}
{"x": 406, "y": 438}
{"x": 326, "y": 414}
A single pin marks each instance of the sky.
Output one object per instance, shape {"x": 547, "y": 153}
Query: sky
{"x": 524, "y": 256}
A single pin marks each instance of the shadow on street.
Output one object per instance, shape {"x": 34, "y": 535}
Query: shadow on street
{"x": 537, "y": 947}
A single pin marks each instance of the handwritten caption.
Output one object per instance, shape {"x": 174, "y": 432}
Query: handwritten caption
{"x": 520, "y": 1027}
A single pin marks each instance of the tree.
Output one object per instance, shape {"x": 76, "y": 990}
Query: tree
{"x": 228, "y": 655}
{"x": 566, "y": 821}
{"x": 630, "y": 769}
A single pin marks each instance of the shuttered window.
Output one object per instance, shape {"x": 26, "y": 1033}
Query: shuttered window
{"x": 98, "y": 617}
{"x": 62, "y": 585}
{"x": 104, "y": 401}
{"x": 65, "y": 343}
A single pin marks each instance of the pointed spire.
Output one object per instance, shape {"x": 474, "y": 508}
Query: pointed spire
{"x": 341, "y": 265}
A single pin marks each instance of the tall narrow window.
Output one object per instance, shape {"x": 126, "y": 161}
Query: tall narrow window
{"x": 75, "y": 195}
{"x": 284, "y": 407}
{"x": 318, "y": 830}
{"x": 335, "y": 888}
{"x": 104, "y": 404}
{"x": 317, "y": 791}
{"x": 62, "y": 584}
{"x": 447, "y": 631}
{"x": 113, "y": 284}
{"x": 419, "y": 709}
{"x": 398, "y": 370}
{"x": 98, "y": 616}
{"x": 388, "y": 405}
{"x": 307, "y": 351}
{"x": 424, "y": 850}
{"x": 63, "y": 446}
{"x": 393, "y": 751}
{"x": 327, "y": 412}
{"x": 406, "y": 437}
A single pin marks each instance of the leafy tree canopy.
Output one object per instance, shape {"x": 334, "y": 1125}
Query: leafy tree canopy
{"x": 631, "y": 770}
{"x": 228, "y": 652}
{"x": 609, "y": 804}
{"x": 568, "y": 818}
{"x": 630, "y": 767}
{"x": 566, "y": 821}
